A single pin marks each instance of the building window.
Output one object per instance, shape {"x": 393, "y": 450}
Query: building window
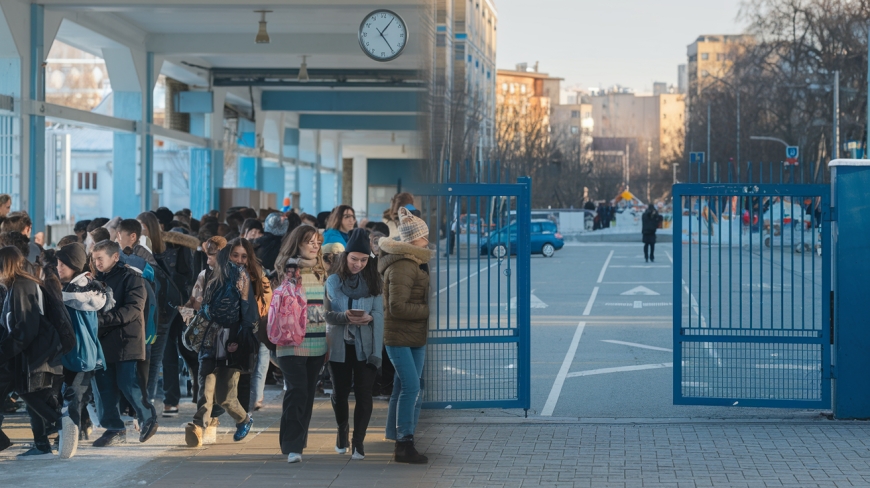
{"x": 522, "y": 88}
{"x": 705, "y": 56}
{"x": 158, "y": 181}
{"x": 575, "y": 130}
{"x": 575, "y": 114}
{"x": 86, "y": 182}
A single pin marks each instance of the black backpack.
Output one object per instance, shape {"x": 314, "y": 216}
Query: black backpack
{"x": 56, "y": 314}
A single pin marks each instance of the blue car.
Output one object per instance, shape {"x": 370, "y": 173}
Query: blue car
{"x": 546, "y": 240}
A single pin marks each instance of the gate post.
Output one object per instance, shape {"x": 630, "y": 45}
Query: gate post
{"x": 850, "y": 229}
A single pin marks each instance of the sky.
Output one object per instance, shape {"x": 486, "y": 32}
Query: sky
{"x": 605, "y": 42}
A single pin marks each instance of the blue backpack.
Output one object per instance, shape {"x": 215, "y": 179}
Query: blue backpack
{"x": 87, "y": 355}
{"x": 224, "y": 305}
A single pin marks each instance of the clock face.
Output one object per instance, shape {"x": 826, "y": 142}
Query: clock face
{"x": 383, "y": 35}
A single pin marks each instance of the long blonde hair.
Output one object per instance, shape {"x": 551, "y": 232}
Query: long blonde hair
{"x": 290, "y": 248}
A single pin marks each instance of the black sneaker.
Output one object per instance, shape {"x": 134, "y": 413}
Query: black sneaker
{"x": 111, "y": 438}
{"x": 34, "y": 454}
{"x": 170, "y": 411}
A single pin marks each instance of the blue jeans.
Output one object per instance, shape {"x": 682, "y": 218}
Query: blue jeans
{"x": 116, "y": 380}
{"x": 156, "y": 360}
{"x": 404, "y": 410}
{"x": 258, "y": 377}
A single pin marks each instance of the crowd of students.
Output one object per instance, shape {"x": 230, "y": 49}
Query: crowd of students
{"x": 88, "y": 324}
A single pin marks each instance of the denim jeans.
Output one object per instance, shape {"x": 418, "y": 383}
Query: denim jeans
{"x": 258, "y": 377}
{"x": 156, "y": 360}
{"x": 406, "y": 401}
{"x": 116, "y": 380}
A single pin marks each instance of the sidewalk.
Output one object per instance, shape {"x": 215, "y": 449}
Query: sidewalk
{"x": 474, "y": 448}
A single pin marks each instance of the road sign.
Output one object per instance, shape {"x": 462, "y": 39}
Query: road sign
{"x": 791, "y": 155}
{"x": 697, "y": 157}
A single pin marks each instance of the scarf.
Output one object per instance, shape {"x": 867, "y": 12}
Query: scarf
{"x": 355, "y": 287}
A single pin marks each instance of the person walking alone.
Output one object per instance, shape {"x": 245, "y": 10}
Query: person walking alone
{"x": 354, "y": 330}
{"x": 404, "y": 265}
{"x": 650, "y": 222}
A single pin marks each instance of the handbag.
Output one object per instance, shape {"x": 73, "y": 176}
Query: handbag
{"x": 194, "y": 333}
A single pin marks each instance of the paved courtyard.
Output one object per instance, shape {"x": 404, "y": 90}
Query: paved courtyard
{"x": 479, "y": 448}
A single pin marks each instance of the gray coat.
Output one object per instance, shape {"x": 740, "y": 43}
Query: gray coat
{"x": 368, "y": 339}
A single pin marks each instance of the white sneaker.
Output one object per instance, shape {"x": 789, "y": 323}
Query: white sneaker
{"x": 357, "y": 455}
{"x": 68, "y": 443}
{"x": 294, "y": 458}
{"x": 340, "y": 450}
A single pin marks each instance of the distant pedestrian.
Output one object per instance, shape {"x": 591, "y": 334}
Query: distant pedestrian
{"x": 650, "y": 220}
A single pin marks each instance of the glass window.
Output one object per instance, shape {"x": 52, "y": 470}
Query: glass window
{"x": 158, "y": 180}
{"x": 575, "y": 129}
{"x": 86, "y": 181}
{"x": 536, "y": 228}
{"x": 705, "y": 56}
{"x": 548, "y": 228}
{"x": 575, "y": 114}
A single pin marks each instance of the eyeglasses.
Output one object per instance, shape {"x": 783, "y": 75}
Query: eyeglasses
{"x": 350, "y": 216}
{"x": 313, "y": 243}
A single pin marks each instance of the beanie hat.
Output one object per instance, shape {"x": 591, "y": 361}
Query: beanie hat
{"x": 411, "y": 227}
{"x": 286, "y": 201}
{"x": 164, "y": 216}
{"x": 73, "y": 256}
{"x": 358, "y": 242}
{"x": 276, "y": 223}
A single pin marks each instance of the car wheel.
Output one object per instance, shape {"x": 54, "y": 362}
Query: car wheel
{"x": 548, "y": 250}
{"x": 499, "y": 251}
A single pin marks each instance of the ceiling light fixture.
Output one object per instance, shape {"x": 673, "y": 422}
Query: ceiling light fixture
{"x": 303, "y": 70}
{"x": 262, "y": 35}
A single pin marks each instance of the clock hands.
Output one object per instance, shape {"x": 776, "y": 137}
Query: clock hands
{"x": 381, "y": 32}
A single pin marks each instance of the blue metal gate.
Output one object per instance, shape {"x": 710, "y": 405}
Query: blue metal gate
{"x": 752, "y": 283}
{"x": 478, "y": 353}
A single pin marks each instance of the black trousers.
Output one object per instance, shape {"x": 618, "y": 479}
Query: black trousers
{"x": 649, "y": 251}
{"x": 174, "y": 347}
{"x": 357, "y": 375}
{"x": 43, "y": 407}
{"x": 300, "y": 379}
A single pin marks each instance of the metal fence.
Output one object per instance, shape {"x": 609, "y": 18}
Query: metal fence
{"x": 752, "y": 292}
{"x": 478, "y": 353}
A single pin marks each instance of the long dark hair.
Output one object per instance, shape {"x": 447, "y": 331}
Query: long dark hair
{"x": 152, "y": 225}
{"x": 370, "y": 274}
{"x": 255, "y": 271}
{"x": 337, "y": 216}
{"x": 12, "y": 267}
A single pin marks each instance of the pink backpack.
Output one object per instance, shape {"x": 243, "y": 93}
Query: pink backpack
{"x": 288, "y": 314}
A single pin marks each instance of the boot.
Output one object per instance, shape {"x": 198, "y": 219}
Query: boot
{"x": 406, "y": 453}
{"x": 193, "y": 435}
{"x": 341, "y": 443}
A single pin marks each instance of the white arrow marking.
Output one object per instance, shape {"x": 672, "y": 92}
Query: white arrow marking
{"x": 639, "y": 290}
{"x": 634, "y": 344}
{"x": 535, "y": 302}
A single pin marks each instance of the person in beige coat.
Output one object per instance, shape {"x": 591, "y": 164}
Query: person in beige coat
{"x": 404, "y": 265}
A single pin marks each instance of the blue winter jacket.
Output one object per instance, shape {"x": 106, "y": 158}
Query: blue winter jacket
{"x": 83, "y": 299}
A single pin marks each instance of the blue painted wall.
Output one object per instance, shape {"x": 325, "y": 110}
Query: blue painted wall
{"x": 272, "y": 181}
{"x": 125, "y": 201}
{"x": 10, "y": 76}
{"x": 387, "y": 172}
{"x": 306, "y": 190}
{"x": 337, "y": 101}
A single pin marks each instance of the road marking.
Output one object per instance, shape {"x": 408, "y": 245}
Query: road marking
{"x": 563, "y": 371}
{"x": 465, "y": 279}
{"x": 638, "y": 304}
{"x": 637, "y": 283}
{"x": 642, "y": 304}
{"x": 670, "y": 258}
{"x": 588, "y": 308}
{"x": 639, "y": 290}
{"x": 642, "y": 346}
{"x": 620, "y": 369}
{"x": 535, "y": 302}
{"x": 604, "y": 268}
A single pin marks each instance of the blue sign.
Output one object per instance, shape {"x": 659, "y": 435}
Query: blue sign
{"x": 791, "y": 152}
{"x": 697, "y": 157}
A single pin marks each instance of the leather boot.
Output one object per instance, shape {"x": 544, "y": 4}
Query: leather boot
{"x": 406, "y": 453}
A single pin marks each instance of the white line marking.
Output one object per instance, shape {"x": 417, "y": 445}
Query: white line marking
{"x": 671, "y": 258}
{"x": 637, "y": 283}
{"x": 640, "y": 266}
{"x": 620, "y": 369}
{"x": 563, "y": 371}
{"x": 591, "y": 301}
{"x": 472, "y": 275}
{"x": 638, "y": 304}
{"x": 604, "y": 268}
{"x": 642, "y": 346}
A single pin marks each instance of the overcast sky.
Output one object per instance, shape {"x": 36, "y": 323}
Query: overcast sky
{"x": 605, "y": 42}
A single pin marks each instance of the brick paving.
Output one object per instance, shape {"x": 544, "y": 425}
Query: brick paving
{"x": 499, "y": 450}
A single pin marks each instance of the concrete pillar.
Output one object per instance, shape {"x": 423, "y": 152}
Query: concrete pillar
{"x": 360, "y": 201}
{"x": 126, "y": 185}
{"x": 318, "y": 165}
{"x": 850, "y": 231}
{"x": 36, "y": 92}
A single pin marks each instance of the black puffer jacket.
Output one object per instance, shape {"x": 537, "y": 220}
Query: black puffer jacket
{"x": 267, "y": 249}
{"x": 122, "y": 329}
{"x": 31, "y": 347}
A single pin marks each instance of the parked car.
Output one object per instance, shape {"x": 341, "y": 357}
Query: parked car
{"x": 545, "y": 240}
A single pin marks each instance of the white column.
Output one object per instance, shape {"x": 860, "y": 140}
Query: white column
{"x": 360, "y": 200}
